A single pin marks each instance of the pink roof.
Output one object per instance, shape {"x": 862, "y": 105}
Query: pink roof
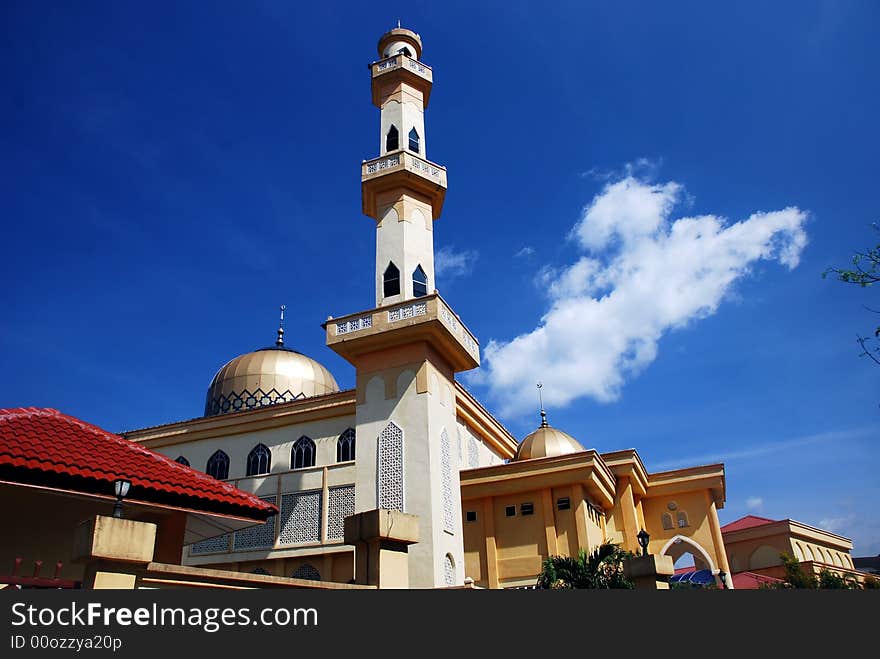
{"x": 747, "y": 522}
{"x": 752, "y": 581}
{"x": 41, "y": 446}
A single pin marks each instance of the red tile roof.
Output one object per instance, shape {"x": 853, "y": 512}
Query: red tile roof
{"x": 45, "y": 447}
{"x": 747, "y": 522}
{"x": 752, "y": 581}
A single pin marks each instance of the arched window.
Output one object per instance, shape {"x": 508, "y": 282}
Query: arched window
{"x": 449, "y": 570}
{"x": 392, "y": 142}
{"x": 420, "y": 282}
{"x": 306, "y": 571}
{"x": 259, "y": 460}
{"x": 667, "y": 521}
{"x": 414, "y": 140}
{"x": 218, "y": 466}
{"x": 303, "y": 453}
{"x": 391, "y": 280}
{"x": 682, "y": 518}
{"x": 404, "y": 51}
{"x": 182, "y": 460}
{"x": 345, "y": 446}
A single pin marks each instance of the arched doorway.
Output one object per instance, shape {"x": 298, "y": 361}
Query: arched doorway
{"x": 685, "y": 553}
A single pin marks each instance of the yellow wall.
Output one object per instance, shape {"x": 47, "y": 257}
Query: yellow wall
{"x": 697, "y": 531}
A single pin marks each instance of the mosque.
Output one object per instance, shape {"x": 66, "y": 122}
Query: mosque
{"x": 409, "y": 437}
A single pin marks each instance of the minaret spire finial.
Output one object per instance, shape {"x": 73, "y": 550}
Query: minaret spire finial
{"x": 398, "y": 23}
{"x": 280, "y": 340}
{"x": 544, "y": 423}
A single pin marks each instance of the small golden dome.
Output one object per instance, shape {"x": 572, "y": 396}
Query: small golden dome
{"x": 547, "y": 442}
{"x": 267, "y": 377}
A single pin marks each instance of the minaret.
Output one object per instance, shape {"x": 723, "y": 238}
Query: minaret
{"x": 408, "y": 348}
{"x": 402, "y": 190}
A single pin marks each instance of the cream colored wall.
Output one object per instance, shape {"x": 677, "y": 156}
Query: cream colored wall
{"x": 698, "y": 530}
{"x": 403, "y": 114}
{"x": 485, "y": 454}
{"x": 422, "y": 411}
{"x": 338, "y": 567}
{"x": 763, "y": 552}
{"x": 405, "y": 237}
{"x": 324, "y": 433}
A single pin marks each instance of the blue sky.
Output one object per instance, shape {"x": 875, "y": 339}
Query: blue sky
{"x": 173, "y": 172}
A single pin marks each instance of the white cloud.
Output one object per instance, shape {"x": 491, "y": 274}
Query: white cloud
{"x": 755, "y": 504}
{"x": 528, "y": 250}
{"x": 450, "y": 264}
{"x": 641, "y": 275}
{"x": 837, "y": 524}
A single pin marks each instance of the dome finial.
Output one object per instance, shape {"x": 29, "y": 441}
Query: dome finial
{"x": 544, "y": 423}
{"x": 280, "y": 340}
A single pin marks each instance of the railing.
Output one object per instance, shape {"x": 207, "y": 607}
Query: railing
{"x": 408, "y": 161}
{"x": 398, "y": 61}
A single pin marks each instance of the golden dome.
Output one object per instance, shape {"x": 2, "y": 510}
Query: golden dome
{"x": 267, "y": 377}
{"x": 547, "y": 442}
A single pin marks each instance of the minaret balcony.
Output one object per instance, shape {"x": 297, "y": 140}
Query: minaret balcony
{"x": 406, "y": 68}
{"x": 425, "y": 319}
{"x": 404, "y": 170}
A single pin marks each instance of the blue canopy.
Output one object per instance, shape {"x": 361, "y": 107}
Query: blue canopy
{"x": 696, "y": 577}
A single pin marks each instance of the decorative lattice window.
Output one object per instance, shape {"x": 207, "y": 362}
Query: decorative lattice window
{"x": 306, "y": 571}
{"x": 260, "y": 570}
{"x": 302, "y": 454}
{"x": 256, "y": 537}
{"x": 390, "y": 483}
{"x": 340, "y": 504}
{"x": 211, "y": 545}
{"x": 446, "y": 483}
{"x": 473, "y": 453}
{"x": 449, "y": 570}
{"x": 300, "y": 518}
{"x": 218, "y": 466}
{"x": 345, "y": 446}
{"x": 182, "y": 460}
{"x": 259, "y": 460}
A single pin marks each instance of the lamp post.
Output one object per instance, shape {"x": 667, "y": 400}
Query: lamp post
{"x": 120, "y": 488}
{"x": 723, "y": 576}
{"x": 643, "y": 539}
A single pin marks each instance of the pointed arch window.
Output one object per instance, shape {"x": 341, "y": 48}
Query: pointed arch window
{"x": 414, "y": 140}
{"x": 391, "y": 280}
{"x": 420, "y": 282}
{"x": 667, "y": 521}
{"x": 259, "y": 460}
{"x": 218, "y": 466}
{"x": 345, "y": 446}
{"x": 303, "y": 453}
{"x": 682, "y": 518}
{"x": 182, "y": 460}
{"x": 392, "y": 139}
{"x": 404, "y": 51}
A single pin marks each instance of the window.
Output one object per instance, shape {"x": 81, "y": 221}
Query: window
{"x": 303, "y": 453}
{"x": 260, "y": 570}
{"x": 666, "y": 520}
{"x": 345, "y": 446}
{"x": 259, "y": 461}
{"x": 306, "y": 571}
{"x": 682, "y": 518}
{"x": 414, "y": 140}
{"x": 510, "y": 511}
{"x": 526, "y": 508}
{"x": 218, "y": 466}
{"x": 391, "y": 280}
{"x": 404, "y": 51}
{"x": 182, "y": 460}
{"x": 392, "y": 142}
{"x": 470, "y": 516}
{"x": 563, "y": 503}
{"x": 420, "y": 282}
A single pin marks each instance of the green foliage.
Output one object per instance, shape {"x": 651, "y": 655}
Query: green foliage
{"x": 600, "y": 569}
{"x": 832, "y": 581}
{"x": 795, "y": 577}
{"x": 871, "y": 583}
{"x": 865, "y": 272}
